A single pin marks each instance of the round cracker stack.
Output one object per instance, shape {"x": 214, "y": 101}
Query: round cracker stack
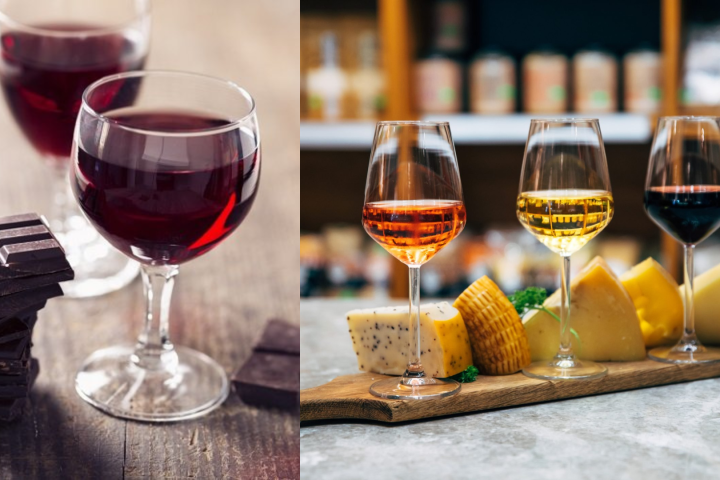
{"x": 497, "y": 338}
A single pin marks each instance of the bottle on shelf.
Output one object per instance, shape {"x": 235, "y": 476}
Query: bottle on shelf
{"x": 492, "y": 83}
{"x": 544, "y": 79}
{"x": 367, "y": 82}
{"x": 438, "y": 84}
{"x": 449, "y": 26}
{"x": 595, "y": 81}
{"x": 642, "y": 74}
{"x": 327, "y": 84}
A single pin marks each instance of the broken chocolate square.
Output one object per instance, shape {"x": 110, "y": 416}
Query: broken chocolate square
{"x": 280, "y": 337}
{"x": 269, "y": 379}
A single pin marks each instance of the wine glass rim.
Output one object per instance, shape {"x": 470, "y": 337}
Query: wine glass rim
{"x": 691, "y": 118}
{"x": 144, "y": 12}
{"x": 231, "y": 125}
{"x": 421, "y": 123}
{"x": 564, "y": 120}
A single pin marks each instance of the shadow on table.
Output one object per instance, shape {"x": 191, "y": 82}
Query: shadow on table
{"x": 56, "y": 439}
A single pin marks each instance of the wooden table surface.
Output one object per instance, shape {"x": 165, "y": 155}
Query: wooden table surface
{"x": 221, "y": 300}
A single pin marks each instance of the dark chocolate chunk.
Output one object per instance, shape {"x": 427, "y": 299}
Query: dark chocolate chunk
{"x": 22, "y": 220}
{"x": 21, "y": 387}
{"x": 17, "y": 366}
{"x": 280, "y": 337}
{"x": 25, "y": 314}
{"x": 269, "y": 379}
{"x": 18, "y": 302}
{"x": 28, "y": 247}
{"x": 11, "y": 408}
{"x": 8, "y": 287}
{"x": 16, "y": 327}
{"x": 24, "y": 234}
{"x": 21, "y": 270}
{"x": 15, "y": 349}
{"x": 31, "y": 251}
{"x": 27, "y": 377}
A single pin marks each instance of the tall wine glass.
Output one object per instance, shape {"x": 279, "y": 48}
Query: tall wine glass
{"x": 51, "y": 50}
{"x": 682, "y": 196}
{"x": 565, "y": 200}
{"x": 166, "y": 166}
{"x": 413, "y": 208}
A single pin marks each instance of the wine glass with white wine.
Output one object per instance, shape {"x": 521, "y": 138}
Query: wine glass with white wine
{"x": 565, "y": 200}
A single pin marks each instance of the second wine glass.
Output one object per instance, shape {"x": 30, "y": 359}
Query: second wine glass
{"x": 682, "y": 196}
{"x": 413, "y": 208}
{"x": 565, "y": 200}
{"x": 51, "y": 50}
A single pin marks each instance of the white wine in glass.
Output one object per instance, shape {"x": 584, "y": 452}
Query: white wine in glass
{"x": 565, "y": 200}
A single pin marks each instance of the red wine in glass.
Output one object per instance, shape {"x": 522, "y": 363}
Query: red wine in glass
{"x": 689, "y": 213}
{"x": 164, "y": 199}
{"x": 43, "y": 77}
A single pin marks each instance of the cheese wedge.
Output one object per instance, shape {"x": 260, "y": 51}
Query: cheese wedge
{"x": 707, "y": 306}
{"x": 381, "y": 339}
{"x": 602, "y": 314}
{"x": 497, "y": 339}
{"x": 657, "y": 302}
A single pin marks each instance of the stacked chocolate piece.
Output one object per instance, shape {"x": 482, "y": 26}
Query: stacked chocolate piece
{"x": 32, "y": 263}
{"x": 271, "y": 377}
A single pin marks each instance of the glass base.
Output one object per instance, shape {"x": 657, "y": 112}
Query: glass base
{"x": 685, "y": 353}
{"x": 99, "y": 268}
{"x": 111, "y": 382}
{"x": 422, "y": 388}
{"x": 565, "y": 368}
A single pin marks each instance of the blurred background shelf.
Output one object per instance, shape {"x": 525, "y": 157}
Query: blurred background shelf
{"x": 350, "y": 135}
{"x": 468, "y": 129}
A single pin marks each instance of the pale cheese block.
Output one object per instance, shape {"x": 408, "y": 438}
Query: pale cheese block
{"x": 601, "y": 312}
{"x": 381, "y": 339}
{"x": 657, "y": 302}
{"x": 707, "y": 306}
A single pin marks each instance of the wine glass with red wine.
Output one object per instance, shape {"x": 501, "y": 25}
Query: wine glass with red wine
{"x": 166, "y": 166}
{"x": 682, "y": 196}
{"x": 51, "y": 50}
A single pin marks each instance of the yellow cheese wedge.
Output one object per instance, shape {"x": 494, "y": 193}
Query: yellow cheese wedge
{"x": 381, "y": 339}
{"x": 707, "y": 306}
{"x": 602, "y": 314}
{"x": 657, "y": 302}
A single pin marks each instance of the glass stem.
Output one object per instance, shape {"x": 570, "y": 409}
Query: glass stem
{"x": 63, "y": 203}
{"x": 565, "y": 336}
{"x": 414, "y": 368}
{"x": 689, "y": 339}
{"x": 154, "y": 351}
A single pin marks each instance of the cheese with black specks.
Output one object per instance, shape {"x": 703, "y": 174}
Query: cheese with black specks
{"x": 381, "y": 339}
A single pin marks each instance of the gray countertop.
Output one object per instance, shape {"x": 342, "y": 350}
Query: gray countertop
{"x": 670, "y": 432}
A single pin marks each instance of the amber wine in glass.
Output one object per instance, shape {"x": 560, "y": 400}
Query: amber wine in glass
{"x": 413, "y": 208}
{"x": 564, "y": 200}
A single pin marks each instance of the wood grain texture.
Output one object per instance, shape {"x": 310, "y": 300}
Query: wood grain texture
{"x": 348, "y": 396}
{"x": 222, "y": 300}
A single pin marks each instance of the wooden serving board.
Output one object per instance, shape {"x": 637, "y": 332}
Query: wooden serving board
{"x": 348, "y": 397}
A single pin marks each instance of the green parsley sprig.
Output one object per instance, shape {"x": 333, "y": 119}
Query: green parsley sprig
{"x": 466, "y": 376}
{"x": 533, "y": 298}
